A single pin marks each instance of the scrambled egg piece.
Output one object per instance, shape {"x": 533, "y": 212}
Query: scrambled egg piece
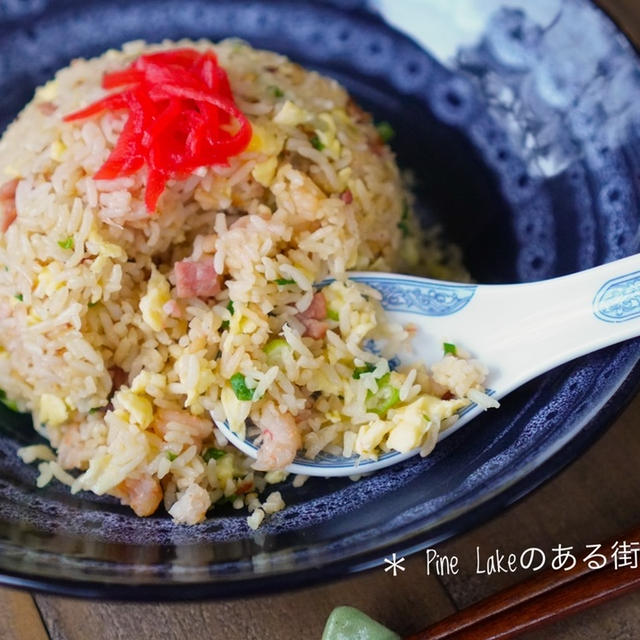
{"x": 266, "y": 140}
{"x": 245, "y": 323}
{"x": 53, "y": 410}
{"x": 145, "y": 379}
{"x": 224, "y": 469}
{"x": 97, "y": 245}
{"x": 269, "y": 141}
{"x": 203, "y": 380}
{"x": 237, "y": 411}
{"x": 46, "y": 283}
{"x": 95, "y": 477}
{"x": 138, "y": 407}
{"x": 291, "y": 115}
{"x": 152, "y": 302}
{"x": 265, "y": 172}
{"x": 370, "y": 436}
{"x": 57, "y": 150}
{"x": 326, "y": 133}
{"x": 273, "y": 477}
{"x": 406, "y": 426}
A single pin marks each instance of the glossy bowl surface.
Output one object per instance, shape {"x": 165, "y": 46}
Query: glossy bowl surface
{"x": 520, "y": 122}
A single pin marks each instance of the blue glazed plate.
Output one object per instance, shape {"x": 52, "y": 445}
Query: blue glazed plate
{"x": 524, "y": 143}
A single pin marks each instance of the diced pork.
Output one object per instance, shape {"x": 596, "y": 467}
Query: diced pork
{"x": 314, "y": 317}
{"x": 346, "y": 196}
{"x": 47, "y": 108}
{"x": 316, "y": 329}
{"x": 118, "y": 378}
{"x": 317, "y": 310}
{"x": 197, "y": 279}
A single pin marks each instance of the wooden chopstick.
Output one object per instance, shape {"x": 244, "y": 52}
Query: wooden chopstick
{"x": 539, "y": 600}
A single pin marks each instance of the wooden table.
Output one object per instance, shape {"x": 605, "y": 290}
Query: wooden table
{"x": 595, "y": 499}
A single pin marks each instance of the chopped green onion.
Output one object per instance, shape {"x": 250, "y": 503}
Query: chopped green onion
{"x": 6, "y": 268}
{"x": 274, "y": 350}
{"x": 230, "y": 308}
{"x": 171, "y": 456}
{"x": 92, "y": 304}
{"x": 316, "y": 143}
{"x": 385, "y": 131}
{"x": 224, "y": 325}
{"x": 94, "y": 410}
{"x": 228, "y": 499}
{"x": 404, "y": 227}
{"x": 405, "y": 210}
{"x": 239, "y": 386}
{"x": 19, "y": 296}
{"x": 67, "y": 243}
{"x": 332, "y": 314}
{"x": 213, "y": 454}
{"x": 449, "y": 348}
{"x": 358, "y": 371}
{"x": 284, "y": 281}
{"x": 10, "y": 404}
{"x": 386, "y": 397}
{"x": 426, "y": 417}
{"x": 276, "y": 91}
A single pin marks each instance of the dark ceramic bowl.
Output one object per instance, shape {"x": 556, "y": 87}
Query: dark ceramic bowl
{"x": 525, "y": 146}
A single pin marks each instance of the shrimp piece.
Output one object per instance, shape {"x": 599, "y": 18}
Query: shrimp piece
{"x": 72, "y": 450}
{"x": 241, "y": 223}
{"x": 143, "y": 494}
{"x": 198, "y": 428}
{"x": 192, "y": 506}
{"x": 8, "y": 211}
{"x": 281, "y": 440}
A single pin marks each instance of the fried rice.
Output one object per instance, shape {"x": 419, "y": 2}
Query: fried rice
{"x": 124, "y": 361}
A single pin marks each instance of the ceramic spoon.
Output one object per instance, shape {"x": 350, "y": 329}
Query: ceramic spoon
{"x": 518, "y": 331}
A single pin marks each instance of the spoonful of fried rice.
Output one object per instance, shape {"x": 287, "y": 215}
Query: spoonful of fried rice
{"x": 394, "y": 405}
